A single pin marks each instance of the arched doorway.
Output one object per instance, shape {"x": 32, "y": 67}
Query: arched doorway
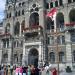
{"x": 33, "y": 57}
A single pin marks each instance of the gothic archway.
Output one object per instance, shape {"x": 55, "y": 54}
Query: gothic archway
{"x": 33, "y": 57}
{"x": 34, "y": 19}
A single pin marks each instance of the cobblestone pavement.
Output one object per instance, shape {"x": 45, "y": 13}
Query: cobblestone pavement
{"x": 64, "y": 73}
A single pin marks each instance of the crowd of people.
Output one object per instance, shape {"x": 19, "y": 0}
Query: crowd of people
{"x": 29, "y": 70}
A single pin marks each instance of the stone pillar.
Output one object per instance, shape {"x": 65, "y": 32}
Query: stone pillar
{"x": 10, "y": 53}
{"x": 25, "y": 56}
{"x": 1, "y": 45}
{"x": 20, "y": 29}
{"x": 68, "y": 49}
{"x": 27, "y": 15}
{"x": 40, "y": 62}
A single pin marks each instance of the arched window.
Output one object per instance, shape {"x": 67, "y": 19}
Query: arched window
{"x": 22, "y": 26}
{"x": 52, "y": 57}
{"x": 19, "y": 13}
{"x": 61, "y": 57}
{"x": 5, "y": 58}
{"x": 60, "y": 21}
{"x": 34, "y": 19}
{"x": 23, "y": 3}
{"x": 15, "y": 58}
{"x": 74, "y": 56}
{"x": 7, "y": 28}
{"x": 69, "y": 1}
{"x": 17, "y": 28}
{"x": 19, "y": 4}
{"x": 51, "y": 5}
{"x": 72, "y": 15}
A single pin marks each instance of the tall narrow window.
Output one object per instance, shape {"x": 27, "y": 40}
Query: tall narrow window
{"x": 63, "y": 39}
{"x": 7, "y": 43}
{"x": 5, "y": 57}
{"x": 52, "y": 57}
{"x": 21, "y": 58}
{"x": 15, "y": 58}
{"x": 51, "y": 5}
{"x": 56, "y": 3}
{"x": 51, "y": 40}
{"x": 4, "y": 43}
{"x": 61, "y": 56}
{"x": 17, "y": 28}
{"x": 69, "y": 1}
{"x": 74, "y": 56}
{"x": 23, "y": 12}
{"x": 18, "y": 13}
{"x": 73, "y": 0}
{"x": 47, "y": 5}
{"x": 60, "y": 2}
{"x": 58, "y": 40}
{"x": 48, "y": 40}
{"x": 73, "y": 37}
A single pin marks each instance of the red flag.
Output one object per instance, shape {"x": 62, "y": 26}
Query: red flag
{"x": 52, "y": 12}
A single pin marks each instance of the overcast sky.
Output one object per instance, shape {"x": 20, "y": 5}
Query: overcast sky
{"x": 2, "y": 7}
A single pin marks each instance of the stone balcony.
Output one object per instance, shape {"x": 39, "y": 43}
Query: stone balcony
{"x": 70, "y": 26}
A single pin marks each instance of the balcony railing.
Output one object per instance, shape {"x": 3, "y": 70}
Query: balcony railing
{"x": 33, "y": 29}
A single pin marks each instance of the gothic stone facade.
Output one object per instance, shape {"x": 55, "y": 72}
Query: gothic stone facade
{"x": 30, "y": 37}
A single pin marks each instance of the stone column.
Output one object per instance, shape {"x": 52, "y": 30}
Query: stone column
{"x": 68, "y": 49}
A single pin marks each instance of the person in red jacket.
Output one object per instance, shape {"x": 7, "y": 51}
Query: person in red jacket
{"x": 54, "y": 71}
